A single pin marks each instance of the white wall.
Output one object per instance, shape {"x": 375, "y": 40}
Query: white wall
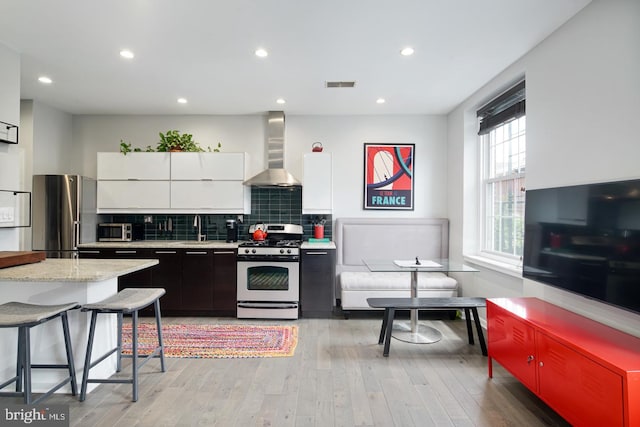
{"x": 53, "y": 148}
{"x": 11, "y": 156}
{"x": 583, "y": 96}
{"x": 341, "y": 135}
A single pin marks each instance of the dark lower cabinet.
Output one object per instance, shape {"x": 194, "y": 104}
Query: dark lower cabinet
{"x": 168, "y": 275}
{"x": 225, "y": 276}
{"x": 137, "y": 279}
{"x": 197, "y": 281}
{"x": 317, "y": 278}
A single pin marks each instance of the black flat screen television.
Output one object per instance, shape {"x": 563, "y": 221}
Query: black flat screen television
{"x": 586, "y": 239}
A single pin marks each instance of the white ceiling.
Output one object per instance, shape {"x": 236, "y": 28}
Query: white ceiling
{"x": 203, "y": 50}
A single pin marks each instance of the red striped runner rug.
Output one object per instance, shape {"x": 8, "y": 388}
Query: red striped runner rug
{"x": 215, "y": 341}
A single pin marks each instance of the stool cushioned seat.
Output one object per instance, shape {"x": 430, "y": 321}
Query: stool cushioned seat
{"x": 14, "y": 314}
{"x": 127, "y": 300}
{"x": 24, "y": 316}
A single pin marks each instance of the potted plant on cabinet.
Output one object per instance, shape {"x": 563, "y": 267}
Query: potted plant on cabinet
{"x": 174, "y": 141}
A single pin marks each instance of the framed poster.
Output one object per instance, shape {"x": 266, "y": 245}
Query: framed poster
{"x": 388, "y": 176}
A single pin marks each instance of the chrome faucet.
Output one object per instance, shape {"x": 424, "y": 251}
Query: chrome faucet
{"x": 197, "y": 223}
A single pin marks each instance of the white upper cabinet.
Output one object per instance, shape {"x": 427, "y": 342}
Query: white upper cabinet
{"x": 133, "y": 196}
{"x": 208, "y": 196}
{"x": 208, "y": 166}
{"x": 172, "y": 183}
{"x": 317, "y": 186}
{"x": 134, "y": 166}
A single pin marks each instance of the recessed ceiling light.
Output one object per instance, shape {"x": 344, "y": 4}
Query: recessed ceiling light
{"x": 182, "y": 100}
{"x": 261, "y": 53}
{"x": 126, "y": 53}
{"x": 407, "y": 51}
{"x": 280, "y": 101}
{"x": 380, "y": 101}
{"x": 44, "y": 79}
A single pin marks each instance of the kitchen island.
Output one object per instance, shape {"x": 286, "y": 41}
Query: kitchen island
{"x": 57, "y": 281}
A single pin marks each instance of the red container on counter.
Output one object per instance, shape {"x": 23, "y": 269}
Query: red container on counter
{"x": 318, "y": 231}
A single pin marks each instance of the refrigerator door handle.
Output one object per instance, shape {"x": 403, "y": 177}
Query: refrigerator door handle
{"x": 76, "y": 234}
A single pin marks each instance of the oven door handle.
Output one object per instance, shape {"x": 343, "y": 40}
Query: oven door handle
{"x": 270, "y": 306}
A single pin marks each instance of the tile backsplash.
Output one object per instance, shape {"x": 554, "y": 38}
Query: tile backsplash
{"x": 268, "y": 205}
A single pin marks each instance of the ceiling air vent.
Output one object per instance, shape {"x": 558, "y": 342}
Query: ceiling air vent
{"x": 340, "y": 84}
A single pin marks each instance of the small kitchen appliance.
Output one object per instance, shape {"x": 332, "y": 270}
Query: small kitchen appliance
{"x": 269, "y": 273}
{"x": 120, "y": 232}
{"x": 232, "y": 230}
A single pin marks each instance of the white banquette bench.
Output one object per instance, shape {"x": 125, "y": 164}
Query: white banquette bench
{"x": 395, "y": 239}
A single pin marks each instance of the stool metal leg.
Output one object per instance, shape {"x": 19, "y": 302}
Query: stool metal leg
{"x": 134, "y": 343}
{"x": 67, "y": 344}
{"x": 159, "y": 326}
{"x": 20, "y": 362}
{"x": 87, "y": 359}
{"x": 119, "y": 344}
{"x": 26, "y": 363}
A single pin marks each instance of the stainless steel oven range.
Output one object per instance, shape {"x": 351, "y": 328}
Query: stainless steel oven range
{"x": 269, "y": 273}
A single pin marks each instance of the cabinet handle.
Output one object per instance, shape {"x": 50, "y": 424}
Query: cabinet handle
{"x": 126, "y": 252}
{"x": 315, "y": 253}
{"x": 165, "y": 252}
{"x": 133, "y": 179}
{"x": 89, "y": 252}
{"x": 530, "y": 359}
{"x": 541, "y": 364}
{"x": 223, "y": 252}
{"x": 196, "y": 253}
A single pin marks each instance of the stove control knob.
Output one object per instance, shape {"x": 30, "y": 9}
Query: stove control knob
{"x": 288, "y": 251}
{"x": 281, "y": 251}
{"x": 246, "y": 251}
{"x": 253, "y": 251}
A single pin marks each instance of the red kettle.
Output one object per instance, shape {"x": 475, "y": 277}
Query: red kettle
{"x": 259, "y": 234}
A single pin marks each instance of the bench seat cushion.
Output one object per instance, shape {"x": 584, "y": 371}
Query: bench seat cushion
{"x": 357, "y": 286}
{"x": 363, "y": 280}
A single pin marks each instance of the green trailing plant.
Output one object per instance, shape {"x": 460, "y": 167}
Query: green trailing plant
{"x": 125, "y": 147}
{"x": 172, "y": 140}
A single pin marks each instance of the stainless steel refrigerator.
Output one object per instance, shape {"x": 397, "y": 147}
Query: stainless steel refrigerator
{"x": 64, "y": 214}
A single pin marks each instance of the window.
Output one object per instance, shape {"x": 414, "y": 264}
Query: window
{"x": 503, "y": 140}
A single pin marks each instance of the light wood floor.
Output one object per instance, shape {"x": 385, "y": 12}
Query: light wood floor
{"x": 337, "y": 377}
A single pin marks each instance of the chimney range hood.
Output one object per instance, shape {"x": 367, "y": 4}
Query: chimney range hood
{"x": 275, "y": 175}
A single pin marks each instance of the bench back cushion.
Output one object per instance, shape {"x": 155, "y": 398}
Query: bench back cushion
{"x": 384, "y": 238}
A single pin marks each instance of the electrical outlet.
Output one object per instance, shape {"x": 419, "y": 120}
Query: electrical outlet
{"x": 148, "y": 219}
{"x": 240, "y": 218}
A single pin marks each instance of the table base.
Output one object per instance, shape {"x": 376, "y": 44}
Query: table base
{"x": 422, "y": 334}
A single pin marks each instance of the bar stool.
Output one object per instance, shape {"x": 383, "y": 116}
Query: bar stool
{"x": 24, "y": 317}
{"x": 127, "y": 301}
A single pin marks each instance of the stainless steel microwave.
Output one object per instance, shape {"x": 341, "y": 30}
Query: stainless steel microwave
{"x": 120, "y": 232}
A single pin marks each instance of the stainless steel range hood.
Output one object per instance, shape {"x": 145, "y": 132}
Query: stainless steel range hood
{"x": 275, "y": 175}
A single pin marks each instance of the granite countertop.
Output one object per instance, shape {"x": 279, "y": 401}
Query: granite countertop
{"x": 73, "y": 270}
{"x": 154, "y": 244}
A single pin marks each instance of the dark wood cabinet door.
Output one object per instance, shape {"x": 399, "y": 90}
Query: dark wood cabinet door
{"x": 168, "y": 275}
{"x": 197, "y": 280}
{"x": 137, "y": 279}
{"x": 225, "y": 274}
{"x": 317, "y": 278}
